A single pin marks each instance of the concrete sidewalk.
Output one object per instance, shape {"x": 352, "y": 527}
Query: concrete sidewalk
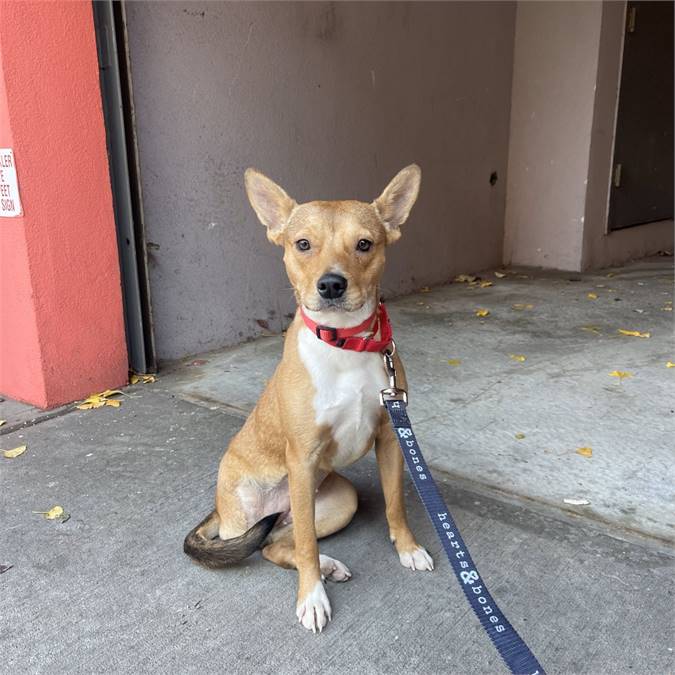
{"x": 515, "y": 426}
{"x": 591, "y": 591}
{"x": 111, "y": 591}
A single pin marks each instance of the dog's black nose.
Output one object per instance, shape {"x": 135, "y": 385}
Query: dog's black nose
{"x": 331, "y": 286}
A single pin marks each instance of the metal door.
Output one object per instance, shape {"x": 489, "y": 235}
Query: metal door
{"x": 642, "y": 179}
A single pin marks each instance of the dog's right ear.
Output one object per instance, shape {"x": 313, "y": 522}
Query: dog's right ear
{"x": 270, "y": 202}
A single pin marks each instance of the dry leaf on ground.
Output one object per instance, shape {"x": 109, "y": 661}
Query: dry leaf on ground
{"x": 519, "y": 306}
{"x": 135, "y": 378}
{"x": 621, "y": 374}
{"x": 500, "y": 275}
{"x": 425, "y": 289}
{"x": 14, "y": 452}
{"x": 634, "y": 333}
{"x": 100, "y": 400}
{"x": 486, "y": 284}
{"x": 465, "y": 278}
{"x": 55, "y": 513}
{"x": 591, "y": 329}
{"x": 670, "y": 364}
{"x": 519, "y": 436}
{"x": 2, "y": 422}
{"x": 518, "y": 357}
{"x": 592, "y": 296}
{"x": 482, "y": 312}
{"x": 454, "y": 362}
{"x": 585, "y": 452}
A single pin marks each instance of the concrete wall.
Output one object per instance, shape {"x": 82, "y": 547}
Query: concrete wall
{"x": 554, "y": 78}
{"x": 329, "y": 99}
{"x": 61, "y": 323}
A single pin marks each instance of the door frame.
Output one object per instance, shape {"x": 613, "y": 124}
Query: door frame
{"x": 603, "y": 247}
{"x": 122, "y": 146}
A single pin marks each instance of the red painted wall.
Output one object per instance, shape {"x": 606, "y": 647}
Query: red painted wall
{"x": 61, "y": 322}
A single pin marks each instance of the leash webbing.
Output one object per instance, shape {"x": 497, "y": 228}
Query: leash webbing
{"x": 516, "y": 654}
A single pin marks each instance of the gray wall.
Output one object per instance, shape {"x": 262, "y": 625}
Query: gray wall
{"x": 554, "y": 77}
{"x": 330, "y": 100}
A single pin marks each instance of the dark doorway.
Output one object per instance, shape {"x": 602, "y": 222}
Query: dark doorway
{"x": 642, "y": 179}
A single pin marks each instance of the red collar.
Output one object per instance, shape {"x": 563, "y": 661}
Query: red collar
{"x": 345, "y": 338}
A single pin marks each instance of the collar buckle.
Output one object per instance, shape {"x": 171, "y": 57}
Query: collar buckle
{"x": 327, "y": 329}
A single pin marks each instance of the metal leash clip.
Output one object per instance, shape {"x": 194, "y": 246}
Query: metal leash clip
{"x": 392, "y": 392}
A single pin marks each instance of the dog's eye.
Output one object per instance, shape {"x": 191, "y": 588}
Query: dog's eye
{"x": 303, "y": 245}
{"x": 364, "y": 245}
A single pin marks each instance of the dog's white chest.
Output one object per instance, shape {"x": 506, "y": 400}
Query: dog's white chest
{"x": 347, "y": 387}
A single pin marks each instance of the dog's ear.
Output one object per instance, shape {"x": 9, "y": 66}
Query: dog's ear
{"x": 270, "y": 202}
{"x": 394, "y": 204}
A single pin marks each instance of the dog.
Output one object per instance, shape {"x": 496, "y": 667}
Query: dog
{"x": 278, "y": 488}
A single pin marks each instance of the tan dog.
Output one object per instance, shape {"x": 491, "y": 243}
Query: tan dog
{"x": 277, "y": 485}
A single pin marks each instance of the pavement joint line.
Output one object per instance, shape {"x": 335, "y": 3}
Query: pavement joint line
{"x": 556, "y": 512}
{"x": 42, "y": 417}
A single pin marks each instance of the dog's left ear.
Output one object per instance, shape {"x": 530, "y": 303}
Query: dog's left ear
{"x": 394, "y": 204}
{"x": 270, "y": 202}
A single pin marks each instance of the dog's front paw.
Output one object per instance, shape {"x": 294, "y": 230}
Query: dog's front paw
{"x": 417, "y": 559}
{"x": 333, "y": 570}
{"x": 314, "y": 610}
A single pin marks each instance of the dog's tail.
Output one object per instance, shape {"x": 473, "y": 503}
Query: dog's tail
{"x": 215, "y": 552}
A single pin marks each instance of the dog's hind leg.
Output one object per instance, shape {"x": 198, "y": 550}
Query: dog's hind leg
{"x": 335, "y": 506}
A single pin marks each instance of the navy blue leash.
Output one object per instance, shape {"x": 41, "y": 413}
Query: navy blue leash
{"x": 516, "y": 654}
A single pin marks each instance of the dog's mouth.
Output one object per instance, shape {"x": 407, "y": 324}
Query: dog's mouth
{"x": 335, "y": 305}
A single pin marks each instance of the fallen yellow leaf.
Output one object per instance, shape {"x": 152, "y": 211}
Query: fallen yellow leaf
{"x": 135, "y": 378}
{"x": 465, "y": 278}
{"x": 54, "y": 513}
{"x": 425, "y": 289}
{"x": 482, "y": 312}
{"x": 592, "y": 296}
{"x": 520, "y": 436}
{"x": 2, "y": 422}
{"x": 670, "y": 364}
{"x": 634, "y": 333}
{"x": 486, "y": 284}
{"x": 454, "y": 362}
{"x": 109, "y": 392}
{"x": 621, "y": 374}
{"x": 611, "y": 274}
{"x": 519, "y": 306}
{"x": 667, "y": 308}
{"x": 91, "y": 403}
{"x": 518, "y": 357}
{"x": 14, "y": 452}
{"x": 591, "y": 329}
{"x": 500, "y": 275}
{"x": 99, "y": 400}
{"x": 585, "y": 452}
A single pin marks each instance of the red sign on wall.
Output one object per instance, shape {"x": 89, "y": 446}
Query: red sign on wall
{"x": 10, "y": 202}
